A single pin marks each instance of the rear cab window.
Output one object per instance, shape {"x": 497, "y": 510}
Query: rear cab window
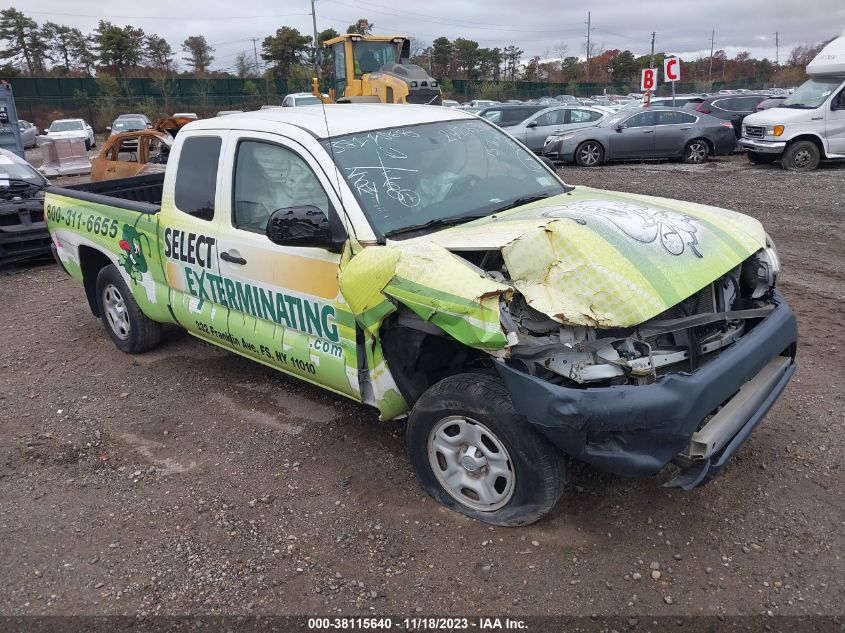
{"x": 196, "y": 176}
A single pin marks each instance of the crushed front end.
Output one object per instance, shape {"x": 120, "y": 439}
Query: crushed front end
{"x": 687, "y": 386}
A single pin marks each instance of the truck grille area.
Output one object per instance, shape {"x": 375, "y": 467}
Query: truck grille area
{"x": 755, "y": 131}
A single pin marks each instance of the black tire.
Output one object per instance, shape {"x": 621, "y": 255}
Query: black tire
{"x": 131, "y": 331}
{"x": 801, "y": 156}
{"x": 535, "y": 474}
{"x": 589, "y": 154}
{"x": 761, "y": 159}
{"x": 696, "y": 152}
{"x": 87, "y": 145}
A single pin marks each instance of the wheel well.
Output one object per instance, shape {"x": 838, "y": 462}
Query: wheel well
{"x": 808, "y": 137}
{"x": 419, "y": 354}
{"x": 92, "y": 261}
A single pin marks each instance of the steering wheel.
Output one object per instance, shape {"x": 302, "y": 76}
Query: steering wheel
{"x": 463, "y": 185}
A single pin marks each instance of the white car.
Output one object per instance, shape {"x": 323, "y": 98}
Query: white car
{"x": 300, "y": 99}
{"x": 72, "y": 128}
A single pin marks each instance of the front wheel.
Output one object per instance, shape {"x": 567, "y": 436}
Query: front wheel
{"x": 589, "y": 154}
{"x": 130, "y": 329}
{"x": 801, "y": 156}
{"x": 474, "y": 454}
{"x": 696, "y": 152}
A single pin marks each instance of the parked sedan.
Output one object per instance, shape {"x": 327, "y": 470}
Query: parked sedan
{"x": 733, "y": 108}
{"x": 507, "y": 115}
{"x": 537, "y": 128}
{"x": 72, "y": 128}
{"x": 661, "y": 133}
{"x": 28, "y": 133}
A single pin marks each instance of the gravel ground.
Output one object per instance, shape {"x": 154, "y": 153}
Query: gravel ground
{"x": 191, "y": 481}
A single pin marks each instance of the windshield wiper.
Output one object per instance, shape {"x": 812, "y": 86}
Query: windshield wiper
{"x": 518, "y": 202}
{"x": 437, "y": 223}
{"x": 799, "y": 106}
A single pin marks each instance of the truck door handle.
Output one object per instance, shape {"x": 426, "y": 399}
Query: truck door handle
{"x": 686, "y": 128}
{"x": 232, "y": 259}
{"x": 648, "y": 131}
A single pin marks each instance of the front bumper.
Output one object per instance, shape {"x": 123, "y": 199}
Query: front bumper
{"x": 762, "y": 147}
{"x": 23, "y": 231}
{"x": 637, "y": 430}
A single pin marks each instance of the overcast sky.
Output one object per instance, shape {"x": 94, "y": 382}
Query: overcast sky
{"x": 537, "y": 26}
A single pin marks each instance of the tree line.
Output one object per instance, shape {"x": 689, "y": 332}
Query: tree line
{"x": 53, "y": 49}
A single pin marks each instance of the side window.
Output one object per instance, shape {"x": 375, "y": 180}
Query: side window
{"x": 196, "y": 176}
{"x": 339, "y": 68}
{"x": 555, "y": 117}
{"x": 670, "y": 117}
{"x": 643, "y": 119}
{"x": 727, "y": 105}
{"x": 838, "y": 102}
{"x": 270, "y": 177}
{"x": 584, "y": 116}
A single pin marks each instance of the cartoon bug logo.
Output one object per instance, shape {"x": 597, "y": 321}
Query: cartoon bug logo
{"x": 132, "y": 260}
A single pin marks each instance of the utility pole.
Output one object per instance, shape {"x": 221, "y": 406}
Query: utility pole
{"x": 777, "y": 49}
{"x": 255, "y": 53}
{"x": 651, "y": 61}
{"x": 588, "y": 46}
{"x": 314, "y": 20}
{"x": 710, "y": 71}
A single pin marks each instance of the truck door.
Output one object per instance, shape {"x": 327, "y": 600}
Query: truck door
{"x": 835, "y": 124}
{"x": 286, "y": 309}
{"x": 190, "y": 218}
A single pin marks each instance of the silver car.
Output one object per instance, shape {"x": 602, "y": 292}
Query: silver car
{"x": 534, "y": 130}
{"x": 647, "y": 133}
{"x": 28, "y": 133}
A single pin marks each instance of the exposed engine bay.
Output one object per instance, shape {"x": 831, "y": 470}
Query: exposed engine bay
{"x": 680, "y": 339}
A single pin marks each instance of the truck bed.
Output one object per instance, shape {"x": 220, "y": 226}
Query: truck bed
{"x": 139, "y": 193}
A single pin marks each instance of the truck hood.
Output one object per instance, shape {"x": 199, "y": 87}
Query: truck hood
{"x": 587, "y": 257}
{"x": 782, "y": 116}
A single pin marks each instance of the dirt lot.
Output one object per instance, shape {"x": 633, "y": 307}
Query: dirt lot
{"x": 190, "y": 480}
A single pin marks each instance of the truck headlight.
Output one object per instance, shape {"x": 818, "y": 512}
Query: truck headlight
{"x": 774, "y": 130}
{"x": 760, "y": 272}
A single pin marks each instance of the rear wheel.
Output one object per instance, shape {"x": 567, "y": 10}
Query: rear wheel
{"x": 87, "y": 145}
{"x": 128, "y": 327}
{"x": 476, "y": 455}
{"x": 801, "y": 156}
{"x": 589, "y": 154}
{"x": 696, "y": 152}
{"x": 761, "y": 159}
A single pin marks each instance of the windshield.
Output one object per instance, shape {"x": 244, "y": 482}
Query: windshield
{"x": 304, "y": 101}
{"x": 14, "y": 168}
{"x": 65, "y": 126}
{"x": 431, "y": 173}
{"x": 127, "y": 125}
{"x": 812, "y": 93}
{"x": 370, "y": 56}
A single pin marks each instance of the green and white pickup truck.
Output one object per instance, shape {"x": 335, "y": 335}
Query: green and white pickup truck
{"x": 421, "y": 261}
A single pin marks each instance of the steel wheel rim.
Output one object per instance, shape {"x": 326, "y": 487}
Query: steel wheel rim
{"x": 590, "y": 154}
{"x": 697, "y": 152}
{"x": 116, "y": 313}
{"x": 471, "y": 463}
{"x": 802, "y": 158}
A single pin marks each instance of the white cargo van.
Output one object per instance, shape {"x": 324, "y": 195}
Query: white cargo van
{"x": 810, "y": 124}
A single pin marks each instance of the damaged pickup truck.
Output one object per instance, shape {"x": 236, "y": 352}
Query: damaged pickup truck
{"x": 421, "y": 261}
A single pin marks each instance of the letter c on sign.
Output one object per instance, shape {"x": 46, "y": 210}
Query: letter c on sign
{"x": 672, "y": 70}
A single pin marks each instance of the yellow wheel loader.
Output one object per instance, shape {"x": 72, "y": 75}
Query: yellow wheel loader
{"x": 377, "y": 69}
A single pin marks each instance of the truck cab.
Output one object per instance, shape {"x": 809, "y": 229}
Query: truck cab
{"x": 810, "y": 124}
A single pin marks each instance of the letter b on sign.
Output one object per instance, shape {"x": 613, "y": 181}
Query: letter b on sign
{"x": 648, "y": 80}
{"x": 671, "y": 69}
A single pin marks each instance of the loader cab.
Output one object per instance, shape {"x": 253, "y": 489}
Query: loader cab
{"x": 354, "y": 56}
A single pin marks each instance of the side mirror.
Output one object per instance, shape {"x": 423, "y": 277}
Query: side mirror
{"x": 621, "y": 127}
{"x": 46, "y": 130}
{"x": 108, "y": 128}
{"x": 299, "y": 226}
{"x": 532, "y": 124}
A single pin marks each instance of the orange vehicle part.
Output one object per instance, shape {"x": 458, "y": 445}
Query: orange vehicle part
{"x": 140, "y": 151}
